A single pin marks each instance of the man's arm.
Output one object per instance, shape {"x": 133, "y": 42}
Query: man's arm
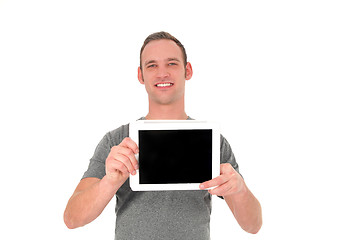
{"x": 246, "y": 209}
{"x": 88, "y": 201}
{"x": 92, "y": 194}
{"x": 243, "y": 204}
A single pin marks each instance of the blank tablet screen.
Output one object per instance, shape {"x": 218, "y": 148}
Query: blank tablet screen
{"x": 175, "y": 156}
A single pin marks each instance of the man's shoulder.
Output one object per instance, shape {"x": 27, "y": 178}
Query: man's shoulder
{"x": 123, "y": 131}
{"x": 117, "y": 135}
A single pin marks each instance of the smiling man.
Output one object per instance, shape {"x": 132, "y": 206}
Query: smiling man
{"x": 164, "y": 70}
{"x": 163, "y": 214}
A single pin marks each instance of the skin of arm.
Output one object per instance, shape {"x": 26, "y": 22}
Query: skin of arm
{"x": 88, "y": 201}
{"x": 246, "y": 210}
{"x": 243, "y": 204}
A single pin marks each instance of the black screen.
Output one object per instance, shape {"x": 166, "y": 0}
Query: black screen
{"x": 175, "y": 156}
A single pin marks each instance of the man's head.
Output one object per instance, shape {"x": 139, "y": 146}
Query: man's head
{"x": 159, "y": 36}
{"x": 164, "y": 69}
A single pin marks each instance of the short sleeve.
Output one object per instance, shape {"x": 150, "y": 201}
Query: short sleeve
{"x": 97, "y": 162}
{"x": 227, "y": 155}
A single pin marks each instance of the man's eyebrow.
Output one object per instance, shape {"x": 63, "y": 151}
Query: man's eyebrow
{"x": 149, "y": 61}
{"x": 173, "y": 59}
{"x": 168, "y": 59}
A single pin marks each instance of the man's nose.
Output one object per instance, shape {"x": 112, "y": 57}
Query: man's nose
{"x": 163, "y": 72}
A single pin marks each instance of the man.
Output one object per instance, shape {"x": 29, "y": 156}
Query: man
{"x": 160, "y": 214}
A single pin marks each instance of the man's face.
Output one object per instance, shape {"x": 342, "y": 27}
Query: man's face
{"x": 163, "y": 72}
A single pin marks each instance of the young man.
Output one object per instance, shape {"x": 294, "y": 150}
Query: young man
{"x": 160, "y": 214}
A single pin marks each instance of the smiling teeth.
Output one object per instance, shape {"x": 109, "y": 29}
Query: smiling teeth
{"x": 163, "y": 84}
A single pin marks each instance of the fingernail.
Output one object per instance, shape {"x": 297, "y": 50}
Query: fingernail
{"x": 202, "y": 186}
{"x": 137, "y": 166}
{"x": 134, "y": 172}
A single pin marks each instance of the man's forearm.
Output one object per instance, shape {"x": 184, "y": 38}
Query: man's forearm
{"x": 88, "y": 203}
{"x": 246, "y": 209}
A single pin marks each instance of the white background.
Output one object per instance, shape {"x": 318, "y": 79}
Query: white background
{"x": 282, "y": 77}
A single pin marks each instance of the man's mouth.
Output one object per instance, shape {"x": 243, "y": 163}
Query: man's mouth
{"x": 162, "y": 85}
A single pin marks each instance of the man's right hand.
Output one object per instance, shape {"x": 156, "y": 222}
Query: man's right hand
{"x": 121, "y": 161}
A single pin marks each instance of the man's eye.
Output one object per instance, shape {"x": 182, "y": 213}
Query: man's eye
{"x": 151, "y": 66}
{"x": 172, "y": 64}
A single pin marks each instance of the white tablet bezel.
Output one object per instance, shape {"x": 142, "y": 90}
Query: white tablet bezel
{"x": 134, "y": 128}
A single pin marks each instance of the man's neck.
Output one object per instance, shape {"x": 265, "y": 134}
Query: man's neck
{"x": 166, "y": 112}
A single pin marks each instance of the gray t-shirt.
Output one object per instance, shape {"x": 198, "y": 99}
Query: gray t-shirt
{"x": 157, "y": 214}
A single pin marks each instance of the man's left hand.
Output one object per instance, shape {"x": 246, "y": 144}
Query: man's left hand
{"x": 229, "y": 182}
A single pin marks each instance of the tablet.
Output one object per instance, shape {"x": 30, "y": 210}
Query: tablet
{"x": 175, "y": 154}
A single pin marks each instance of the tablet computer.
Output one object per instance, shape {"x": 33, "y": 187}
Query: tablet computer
{"x": 175, "y": 154}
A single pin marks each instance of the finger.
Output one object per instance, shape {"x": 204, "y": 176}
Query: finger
{"x": 115, "y": 167}
{"x": 134, "y": 161}
{"x": 221, "y": 190}
{"x": 118, "y": 166}
{"x": 125, "y": 161}
{"x": 129, "y": 143}
{"x": 130, "y": 154}
{"x": 214, "y": 182}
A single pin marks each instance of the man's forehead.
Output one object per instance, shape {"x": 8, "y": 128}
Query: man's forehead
{"x": 162, "y": 49}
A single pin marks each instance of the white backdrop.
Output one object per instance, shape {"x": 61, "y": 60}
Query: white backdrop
{"x": 282, "y": 77}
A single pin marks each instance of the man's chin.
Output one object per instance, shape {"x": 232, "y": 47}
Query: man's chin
{"x": 164, "y": 101}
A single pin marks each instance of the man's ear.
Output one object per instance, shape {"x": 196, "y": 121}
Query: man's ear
{"x": 140, "y": 76}
{"x": 188, "y": 71}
